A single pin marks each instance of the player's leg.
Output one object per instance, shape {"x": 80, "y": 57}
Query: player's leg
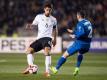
{"x": 60, "y": 62}
{"x": 79, "y": 60}
{"x": 47, "y": 60}
{"x": 46, "y": 42}
{"x": 70, "y": 51}
{"x": 34, "y": 47}
{"x": 30, "y": 59}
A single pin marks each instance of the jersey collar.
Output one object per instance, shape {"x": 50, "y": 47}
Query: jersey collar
{"x": 80, "y": 19}
{"x": 46, "y": 16}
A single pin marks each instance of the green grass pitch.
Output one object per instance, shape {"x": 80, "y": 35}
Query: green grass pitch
{"x": 94, "y": 67}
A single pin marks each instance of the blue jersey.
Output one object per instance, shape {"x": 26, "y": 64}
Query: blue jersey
{"x": 83, "y": 31}
{"x": 83, "y": 34}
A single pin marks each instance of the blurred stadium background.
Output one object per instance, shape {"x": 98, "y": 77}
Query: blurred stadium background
{"x": 15, "y": 14}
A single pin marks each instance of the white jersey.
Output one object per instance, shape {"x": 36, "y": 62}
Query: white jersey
{"x": 45, "y": 25}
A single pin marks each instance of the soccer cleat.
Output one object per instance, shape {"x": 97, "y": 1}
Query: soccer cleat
{"x": 76, "y": 71}
{"x": 47, "y": 74}
{"x": 53, "y": 69}
{"x": 26, "y": 71}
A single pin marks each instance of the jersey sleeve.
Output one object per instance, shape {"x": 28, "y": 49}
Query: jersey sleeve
{"x": 36, "y": 20}
{"x": 79, "y": 31}
{"x": 55, "y": 24}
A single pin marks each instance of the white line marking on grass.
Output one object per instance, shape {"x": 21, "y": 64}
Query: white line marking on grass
{"x": 3, "y": 60}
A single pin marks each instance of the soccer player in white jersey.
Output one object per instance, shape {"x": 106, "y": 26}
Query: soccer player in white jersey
{"x": 47, "y": 31}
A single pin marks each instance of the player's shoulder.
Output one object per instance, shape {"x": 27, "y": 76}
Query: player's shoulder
{"x": 53, "y": 18}
{"x": 86, "y": 22}
{"x": 39, "y": 15}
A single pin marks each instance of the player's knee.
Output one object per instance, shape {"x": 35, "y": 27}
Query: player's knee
{"x": 47, "y": 54}
{"x": 66, "y": 54}
{"x": 47, "y": 51}
{"x": 47, "y": 48}
{"x": 30, "y": 50}
{"x": 80, "y": 53}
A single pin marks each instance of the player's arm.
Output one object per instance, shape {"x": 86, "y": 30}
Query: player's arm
{"x": 55, "y": 32}
{"x": 79, "y": 32}
{"x": 70, "y": 31}
{"x": 30, "y": 26}
{"x": 34, "y": 23}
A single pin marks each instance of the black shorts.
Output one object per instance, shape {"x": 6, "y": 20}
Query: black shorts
{"x": 41, "y": 44}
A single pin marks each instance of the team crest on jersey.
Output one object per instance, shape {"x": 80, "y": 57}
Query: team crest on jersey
{"x": 42, "y": 19}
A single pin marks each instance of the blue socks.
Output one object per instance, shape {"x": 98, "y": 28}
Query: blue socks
{"x": 79, "y": 60}
{"x": 61, "y": 61}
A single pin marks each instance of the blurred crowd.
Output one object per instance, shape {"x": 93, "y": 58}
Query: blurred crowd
{"x": 15, "y": 14}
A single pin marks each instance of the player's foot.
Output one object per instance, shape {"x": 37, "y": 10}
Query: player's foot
{"x": 76, "y": 71}
{"x": 26, "y": 71}
{"x": 47, "y": 74}
{"x": 53, "y": 69}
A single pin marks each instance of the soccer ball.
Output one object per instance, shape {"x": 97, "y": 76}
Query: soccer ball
{"x": 33, "y": 69}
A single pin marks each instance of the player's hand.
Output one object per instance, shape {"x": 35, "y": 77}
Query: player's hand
{"x": 28, "y": 26}
{"x": 54, "y": 43}
{"x": 72, "y": 36}
{"x": 70, "y": 31}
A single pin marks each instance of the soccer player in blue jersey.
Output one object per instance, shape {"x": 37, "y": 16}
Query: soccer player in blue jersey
{"x": 83, "y": 34}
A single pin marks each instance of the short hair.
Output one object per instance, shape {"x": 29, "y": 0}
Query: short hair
{"x": 82, "y": 13}
{"x": 48, "y": 4}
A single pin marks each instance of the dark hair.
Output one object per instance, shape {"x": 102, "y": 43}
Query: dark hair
{"x": 81, "y": 13}
{"x": 48, "y": 4}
